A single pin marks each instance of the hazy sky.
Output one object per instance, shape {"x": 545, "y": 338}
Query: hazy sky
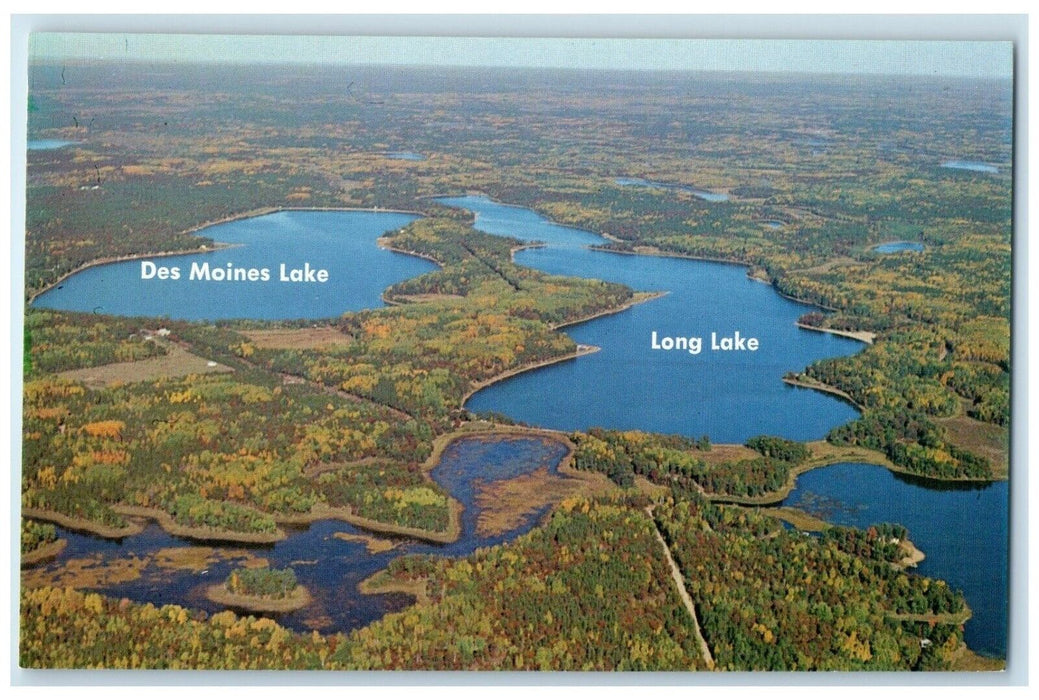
{"x": 947, "y": 58}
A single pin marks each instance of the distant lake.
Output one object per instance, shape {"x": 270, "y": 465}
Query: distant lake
{"x": 341, "y": 242}
{"x": 696, "y": 192}
{"x": 730, "y": 396}
{"x": 773, "y": 224}
{"x": 404, "y": 155}
{"x": 970, "y": 165}
{"x": 47, "y": 144}
{"x": 899, "y": 247}
{"x": 960, "y": 527}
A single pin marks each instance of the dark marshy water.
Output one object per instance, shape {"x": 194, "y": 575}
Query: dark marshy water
{"x": 329, "y": 567}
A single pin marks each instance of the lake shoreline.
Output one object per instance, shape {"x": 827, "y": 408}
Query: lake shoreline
{"x": 581, "y": 351}
{"x": 346, "y": 515}
{"x": 470, "y": 429}
{"x": 636, "y": 299}
{"x": 827, "y": 455}
{"x": 206, "y": 534}
{"x": 806, "y": 522}
{"x": 75, "y": 524}
{"x": 317, "y": 514}
{"x": 217, "y": 245}
{"x": 44, "y": 553}
{"x": 866, "y": 337}
{"x": 652, "y": 251}
{"x": 129, "y": 258}
{"x": 824, "y": 388}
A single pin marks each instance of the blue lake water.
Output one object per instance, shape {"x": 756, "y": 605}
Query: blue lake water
{"x": 730, "y": 396}
{"x": 47, "y": 144}
{"x": 961, "y": 528}
{"x": 329, "y": 567}
{"x": 341, "y": 242}
{"x": 971, "y": 165}
{"x": 899, "y": 247}
{"x": 705, "y": 195}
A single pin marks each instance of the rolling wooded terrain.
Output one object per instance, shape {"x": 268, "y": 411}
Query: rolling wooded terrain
{"x": 817, "y": 170}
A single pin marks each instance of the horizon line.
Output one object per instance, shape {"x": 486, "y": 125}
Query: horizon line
{"x": 38, "y": 61}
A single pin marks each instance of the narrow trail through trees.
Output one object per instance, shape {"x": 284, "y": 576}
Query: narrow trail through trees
{"x": 676, "y": 574}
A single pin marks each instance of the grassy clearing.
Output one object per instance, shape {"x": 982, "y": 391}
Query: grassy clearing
{"x": 374, "y": 545}
{"x": 798, "y": 518}
{"x": 985, "y": 439}
{"x": 384, "y": 582}
{"x": 297, "y": 338}
{"x": 505, "y": 505}
{"x": 824, "y": 453}
{"x": 87, "y": 572}
{"x": 726, "y": 453}
{"x": 419, "y": 298}
{"x": 176, "y": 363}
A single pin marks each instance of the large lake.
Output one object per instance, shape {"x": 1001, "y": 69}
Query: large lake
{"x": 341, "y": 242}
{"x": 730, "y": 396}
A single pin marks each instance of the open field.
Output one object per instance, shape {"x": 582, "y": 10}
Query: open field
{"x": 986, "y": 439}
{"x": 178, "y": 362}
{"x": 725, "y": 452}
{"x": 505, "y": 505}
{"x": 798, "y": 518}
{"x": 297, "y": 338}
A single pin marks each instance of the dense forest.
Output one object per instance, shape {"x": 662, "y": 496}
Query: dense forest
{"x": 236, "y": 451}
{"x": 683, "y": 464}
{"x": 60, "y": 342}
{"x": 814, "y": 182}
{"x": 817, "y": 172}
{"x": 36, "y": 535}
{"x": 225, "y": 452}
{"x": 481, "y": 315}
{"x": 590, "y": 590}
{"x": 262, "y": 581}
{"x": 773, "y": 598}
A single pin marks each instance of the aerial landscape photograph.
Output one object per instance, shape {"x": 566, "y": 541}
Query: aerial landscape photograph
{"x": 514, "y": 354}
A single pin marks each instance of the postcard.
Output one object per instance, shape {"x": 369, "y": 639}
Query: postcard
{"x": 494, "y": 354}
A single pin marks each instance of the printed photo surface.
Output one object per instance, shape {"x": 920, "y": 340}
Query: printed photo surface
{"x": 494, "y": 354}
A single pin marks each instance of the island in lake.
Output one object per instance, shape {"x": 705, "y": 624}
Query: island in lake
{"x": 373, "y": 377}
{"x": 261, "y": 590}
